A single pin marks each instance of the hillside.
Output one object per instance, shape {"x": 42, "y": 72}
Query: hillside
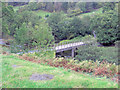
{"x": 42, "y": 13}
{"x": 16, "y": 74}
{"x": 59, "y": 45}
{"x": 97, "y": 11}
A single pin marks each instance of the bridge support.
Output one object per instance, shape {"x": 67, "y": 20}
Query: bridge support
{"x": 61, "y": 53}
{"x": 73, "y": 52}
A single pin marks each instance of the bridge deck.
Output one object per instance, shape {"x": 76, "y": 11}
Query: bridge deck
{"x": 68, "y": 46}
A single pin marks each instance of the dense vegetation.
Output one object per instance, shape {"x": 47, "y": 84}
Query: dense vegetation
{"x": 30, "y": 27}
{"x": 37, "y": 26}
{"x": 26, "y": 28}
{"x": 60, "y": 22}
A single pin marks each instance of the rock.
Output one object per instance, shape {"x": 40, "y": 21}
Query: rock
{"x": 15, "y": 66}
{"x": 37, "y": 77}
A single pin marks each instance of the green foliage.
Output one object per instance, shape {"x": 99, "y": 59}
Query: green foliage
{"x": 98, "y": 68}
{"x": 5, "y": 49}
{"x": 17, "y": 3}
{"x": 64, "y": 6}
{"x": 55, "y": 18}
{"x": 110, "y": 54}
{"x": 43, "y": 54}
{"x": 81, "y": 6}
{"x": 88, "y": 52}
{"x": 106, "y": 27}
{"x": 7, "y": 19}
{"x": 75, "y": 27}
{"x": 34, "y": 37}
{"x": 64, "y": 42}
{"x": 26, "y": 69}
{"x": 53, "y": 21}
{"x": 88, "y": 6}
{"x": 63, "y": 29}
{"x": 69, "y": 70}
{"x": 43, "y": 34}
{"x": 47, "y": 15}
{"x": 22, "y": 35}
{"x": 49, "y": 6}
{"x": 34, "y": 6}
{"x": 86, "y": 39}
{"x": 74, "y": 12}
{"x": 26, "y": 28}
{"x": 108, "y": 6}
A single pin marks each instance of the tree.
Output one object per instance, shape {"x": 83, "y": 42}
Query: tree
{"x": 66, "y": 28}
{"x": 76, "y": 24}
{"x": 106, "y": 27}
{"x": 21, "y": 34}
{"x": 81, "y": 5}
{"x": 43, "y": 34}
{"x": 88, "y": 6}
{"x": 50, "y": 6}
{"x": 40, "y": 36}
{"x": 53, "y": 21}
{"x": 7, "y": 19}
{"x": 64, "y": 6}
{"x": 108, "y": 6}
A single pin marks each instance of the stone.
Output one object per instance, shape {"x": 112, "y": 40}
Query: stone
{"x": 37, "y": 77}
{"x": 15, "y": 66}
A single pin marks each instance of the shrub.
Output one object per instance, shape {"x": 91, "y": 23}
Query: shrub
{"x": 63, "y": 42}
{"x": 96, "y": 67}
{"x": 93, "y": 52}
{"x": 88, "y": 52}
{"x": 47, "y": 15}
{"x": 102, "y": 69}
{"x": 109, "y": 54}
{"x": 106, "y": 69}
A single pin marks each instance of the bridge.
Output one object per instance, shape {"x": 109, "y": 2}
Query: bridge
{"x": 69, "y": 46}
{"x": 59, "y": 48}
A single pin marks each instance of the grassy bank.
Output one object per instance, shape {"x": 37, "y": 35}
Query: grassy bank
{"x": 42, "y": 13}
{"x": 18, "y": 77}
{"x": 95, "y": 12}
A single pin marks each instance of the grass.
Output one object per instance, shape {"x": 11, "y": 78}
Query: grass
{"x": 43, "y": 54}
{"x": 42, "y": 13}
{"x": 19, "y": 77}
{"x": 17, "y": 7}
{"x": 0, "y": 72}
{"x": 91, "y": 13}
{"x": 38, "y": 12}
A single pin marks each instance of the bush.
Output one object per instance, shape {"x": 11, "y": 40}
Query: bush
{"x": 93, "y": 52}
{"x": 88, "y": 38}
{"x": 88, "y": 52}
{"x": 45, "y": 54}
{"x": 95, "y": 67}
{"x": 47, "y": 15}
{"x": 63, "y": 42}
{"x": 109, "y": 54}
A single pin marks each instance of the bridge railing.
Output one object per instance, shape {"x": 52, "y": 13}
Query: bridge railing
{"x": 66, "y": 42}
{"x": 53, "y": 46}
{"x": 70, "y": 43}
